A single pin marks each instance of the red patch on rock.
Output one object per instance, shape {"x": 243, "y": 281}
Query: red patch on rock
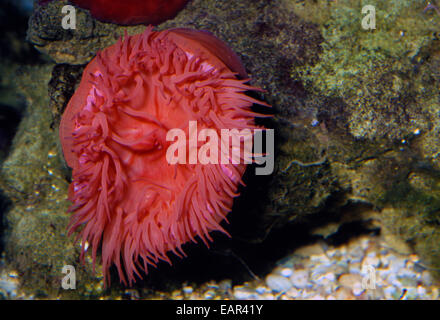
{"x": 131, "y": 12}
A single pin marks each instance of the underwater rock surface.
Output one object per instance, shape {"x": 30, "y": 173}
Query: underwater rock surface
{"x": 357, "y": 121}
{"x": 386, "y": 83}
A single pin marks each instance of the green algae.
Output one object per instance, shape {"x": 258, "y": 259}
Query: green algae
{"x": 377, "y": 72}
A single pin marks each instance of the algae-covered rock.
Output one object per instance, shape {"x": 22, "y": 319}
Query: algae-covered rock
{"x": 383, "y": 75}
{"x": 388, "y": 85}
{"x": 32, "y": 177}
{"x": 73, "y": 46}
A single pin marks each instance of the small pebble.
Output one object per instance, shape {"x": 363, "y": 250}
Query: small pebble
{"x": 187, "y": 290}
{"x": 300, "y": 279}
{"x": 349, "y": 280}
{"x": 389, "y": 292}
{"x": 278, "y": 283}
{"x": 370, "y": 261}
{"x": 293, "y": 293}
{"x": 242, "y": 293}
{"x": 421, "y": 291}
{"x": 267, "y": 296}
{"x": 324, "y": 279}
{"x": 354, "y": 267}
{"x": 405, "y": 272}
{"x": 426, "y": 278}
{"x": 261, "y": 289}
{"x": 286, "y": 272}
{"x": 357, "y": 289}
{"x": 392, "y": 279}
{"x": 321, "y": 259}
{"x": 209, "y": 294}
{"x": 344, "y": 294}
{"x": 225, "y": 285}
{"x": 396, "y": 264}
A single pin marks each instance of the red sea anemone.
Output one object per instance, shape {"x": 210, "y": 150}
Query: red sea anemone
{"x": 126, "y": 196}
{"x": 129, "y": 12}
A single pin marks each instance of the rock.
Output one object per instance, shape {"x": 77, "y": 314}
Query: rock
{"x": 426, "y": 278}
{"x": 286, "y": 272}
{"x": 311, "y": 250}
{"x": 300, "y": 279}
{"x": 261, "y": 290}
{"x": 390, "y": 292}
{"x": 358, "y": 290}
{"x": 76, "y": 46}
{"x": 421, "y": 292}
{"x": 243, "y": 293}
{"x": 278, "y": 283}
{"x": 392, "y": 279}
{"x": 354, "y": 267}
{"x": 293, "y": 293}
{"x": 396, "y": 264}
{"x": 370, "y": 261}
{"x": 343, "y": 293}
{"x": 187, "y": 290}
{"x": 350, "y": 280}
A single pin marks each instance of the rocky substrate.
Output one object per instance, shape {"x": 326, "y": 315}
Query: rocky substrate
{"x": 319, "y": 271}
{"x": 312, "y": 272}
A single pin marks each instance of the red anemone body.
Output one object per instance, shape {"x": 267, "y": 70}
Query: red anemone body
{"x": 127, "y": 198}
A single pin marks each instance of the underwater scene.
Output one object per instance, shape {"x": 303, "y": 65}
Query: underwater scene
{"x": 220, "y": 150}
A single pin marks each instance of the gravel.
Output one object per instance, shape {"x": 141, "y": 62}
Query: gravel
{"x": 365, "y": 268}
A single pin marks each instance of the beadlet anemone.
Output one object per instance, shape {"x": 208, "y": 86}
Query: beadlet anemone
{"x": 127, "y": 198}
